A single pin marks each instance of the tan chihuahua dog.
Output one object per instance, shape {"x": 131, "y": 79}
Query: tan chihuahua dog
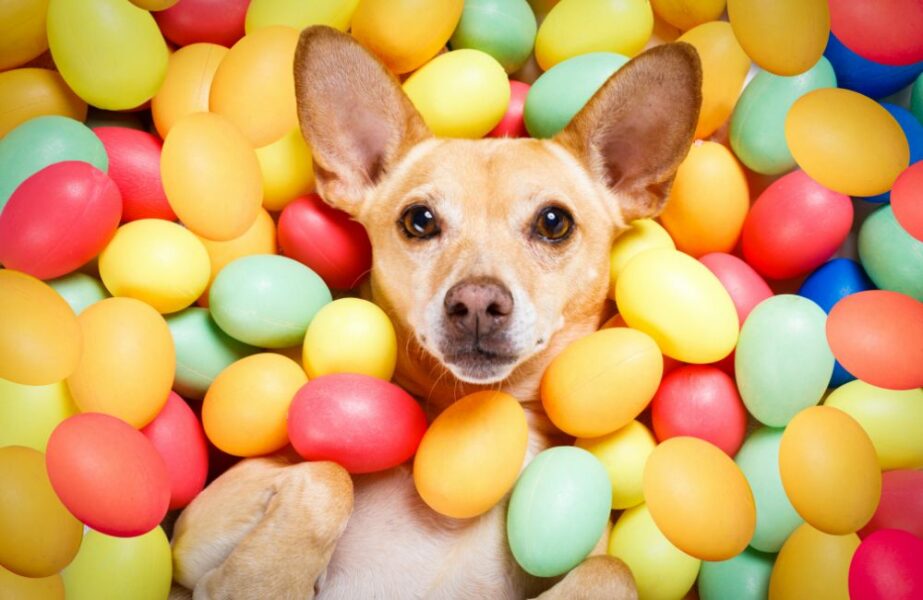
{"x": 490, "y": 257}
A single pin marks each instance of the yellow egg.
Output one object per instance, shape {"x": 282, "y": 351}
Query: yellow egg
{"x": 708, "y": 202}
{"x": 350, "y": 336}
{"x": 40, "y": 339}
{"x": 157, "y": 262}
{"x": 661, "y": 570}
{"x": 893, "y": 419}
{"x": 154, "y": 5}
{"x": 624, "y": 453}
{"x": 187, "y": 84}
{"x": 699, "y": 498}
{"x": 463, "y": 93}
{"x": 18, "y": 587}
{"x": 299, "y": 14}
{"x": 29, "y": 93}
{"x": 686, "y": 14}
{"x": 830, "y": 470}
{"x": 601, "y": 382}
{"x": 287, "y": 170}
{"x": 575, "y": 27}
{"x": 785, "y": 37}
{"x": 813, "y": 564}
{"x": 676, "y": 300}
{"x": 29, "y": 413}
{"x": 846, "y": 141}
{"x": 22, "y": 31}
{"x": 471, "y": 455}
{"x": 405, "y": 34}
{"x": 724, "y": 69}
{"x": 643, "y": 234}
{"x": 211, "y": 176}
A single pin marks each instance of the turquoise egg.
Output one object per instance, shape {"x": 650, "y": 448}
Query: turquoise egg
{"x": 504, "y": 29}
{"x": 744, "y": 577}
{"x": 558, "y": 510}
{"x": 565, "y": 88}
{"x": 892, "y": 257}
{"x": 266, "y": 300}
{"x": 79, "y": 290}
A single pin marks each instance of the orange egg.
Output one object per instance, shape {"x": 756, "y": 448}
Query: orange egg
{"x": 785, "y": 37}
{"x": 187, "y": 84}
{"x": 813, "y": 564}
{"x": 29, "y": 93}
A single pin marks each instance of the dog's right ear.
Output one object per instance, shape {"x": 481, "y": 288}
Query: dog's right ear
{"x": 353, "y": 113}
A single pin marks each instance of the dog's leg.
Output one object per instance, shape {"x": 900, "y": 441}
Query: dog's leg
{"x": 264, "y": 529}
{"x": 596, "y": 578}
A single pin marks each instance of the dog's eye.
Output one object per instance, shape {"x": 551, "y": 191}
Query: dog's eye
{"x": 553, "y": 224}
{"x": 419, "y": 221}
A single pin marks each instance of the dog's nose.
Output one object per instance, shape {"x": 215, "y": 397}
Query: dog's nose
{"x": 478, "y": 306}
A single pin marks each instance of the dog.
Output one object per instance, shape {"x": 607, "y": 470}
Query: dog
{"x": 490, "y": 257}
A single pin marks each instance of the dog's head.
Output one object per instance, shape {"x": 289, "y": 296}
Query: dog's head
{"x": 485, "y": 250}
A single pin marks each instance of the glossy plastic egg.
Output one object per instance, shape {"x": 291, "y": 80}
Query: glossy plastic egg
{"x": 472, "y": 453}
{"x": 350, "y": 335}
{"x": 187, "y": 84}
{"x": 298, "y": 15}
{"x": 744, "y": 285}
{"x": 676, "y": 300}
{"x": 892, "y": 257}
{"x": 624, "y": 453}
{"x": 22, "y": 32}
{"x": 901, "y": 504}
{"x": 813, "y": 564}
{"x": 134, "y": 166}
{"x": 907, "y": 200}
{"x": 873, "y": 79}
{"x": 558, "y": 511}
{"x": 260, "y": 238}
{"x": 686, "y": 14}
{"x": 287, "y": 169}
{"x": 887, "y": 564}
{"x": 513, "y": 124}
{"x": 29, "y": 93}
{"x": 211, "y": 21}
{"x": 362, "y": 423}
{"x": 504, "y": 29}
{"x": 744, "y": 577}
{"x": 785, "y": 38}
{"x": 888, "y": 33}
{"x": 642, "y": 235}
{"x": 79, "y": 290}
{"x": 31, "y": 588}
{"x": 830, "y": 470}
{"x": 29, "y": 413}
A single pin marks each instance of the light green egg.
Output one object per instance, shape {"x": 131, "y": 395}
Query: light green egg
{"x": 79, "y": 290}
{"x": 744, "y": 577}
{"x": 916, "y": 98}
{"x": 504, "y": 29}
{"x": 892, "y": 257}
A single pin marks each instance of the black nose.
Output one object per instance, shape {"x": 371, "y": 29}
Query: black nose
{"x": 479, "y": 306}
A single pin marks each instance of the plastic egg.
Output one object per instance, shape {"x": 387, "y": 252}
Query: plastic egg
{"x": 154, "y": 5}
{"x": 889, "y": 34}
{"x": 724, "y": 68}
{"x": 40, "y": 536}
{"x": 872, "y": 79}
{"x": 298, "y": 15}
{"x": 785, "y": 38}
{"x": 260, "y": 238}
{"x": 887, "y": 564}
{"x": 187, "y": 84}
{"x": 211, "y": 21}
{"x": 40, "y": 340}
{"x": 513, "y": 124}
{"x": 350, "y": 335}
{"x": 846, "y": 142}
{"x": 575, "y": 27}
{"x": 405, "y": 34}
{"x": 757, "y": 133}
{"x": 743, "y": 284}
{"x": 744, "y": 577}
{"x": 31, "y": 588}
{"x": 504, "y": 29}
{"x": 601, "y": 382}
{"x": 624, "y": 453}
{"x": 287, "y": 169}
{"x": 22, "y": 31}
{"x": 29, "y": 93}
{"x": 661, "y": 570}
{"x": 563, "y": 90}
{"x": 901, "y": 504}
{"x": 830, "y": 470}
{"x": 157, "y": 262}
{"x": 79, "y": 290}
{"x": 813, "y": 564}
{"x": 110, "y": 52}
{"x": 362, "y": 423}
{"x": 245, "y": 409}
{"x": 676, "y": 300}
{"x": 708, "y": 201}
{"x": 642, "y": 235}
{"x": 29, "y": 413}
{"x": 558, "y": 511}
{"x": 267, "y": 301}
{"x": 59, "y": 219}
{"x": 225, "y": 204}
{"x": 134, "y": 166}
{"x": 892, "y": 257}
{"x": 916, "y": 98}
{"x": 907, "y": 200}
{"x": 115, "y": 567}
{"x": 686, "y": 14}
{"x": 470, "y": 456}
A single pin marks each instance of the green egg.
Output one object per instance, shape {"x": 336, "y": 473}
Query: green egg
{"x": 504, "y": 29}
{"x": 565, "y": 88}
{"x": 79, "y": 290}
{"x": 266, "y": 300}
{"x": 916, "y": 98}
{"x": 202, "y": 351}
{"x": 892, "y": 257}
{"x": 744, "y": 577}
{"x": 558, "y": 510}
{"x": 758, "y": 123}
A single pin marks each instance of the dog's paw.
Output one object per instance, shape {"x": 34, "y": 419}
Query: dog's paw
{"x": 596, "y": 578}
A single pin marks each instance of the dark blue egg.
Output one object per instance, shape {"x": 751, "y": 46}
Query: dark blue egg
{"x": 866, "y": 77}
{"x": 913, "y": 130}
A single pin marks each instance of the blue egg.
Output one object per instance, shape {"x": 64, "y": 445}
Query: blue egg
{"x": 866, "y": 77}
{"x": 913, "y": 130}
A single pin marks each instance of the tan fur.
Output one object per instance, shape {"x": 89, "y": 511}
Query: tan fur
{"x": 270, "y": 529}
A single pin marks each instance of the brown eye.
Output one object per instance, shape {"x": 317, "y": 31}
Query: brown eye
{"x": 419, "y": 221}
{"x": 553, "y": 224}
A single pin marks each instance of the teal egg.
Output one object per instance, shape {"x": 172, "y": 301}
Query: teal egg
{"x": 504, "y": 29}
{"x": 266, "y": 300}
{"x": 758, "y": 124}
{"x": 202, "y": 351}
{"x": 916, "y": 98}
{"x": 79, "y": 290}
{"x": 43, "y": 141}
{"x": 892, "y": 257}
{"x": 744, "y": 577}
{"x": 783, "y": 362}
{"x": 558, "y": 510}
{"x": 776, "y": 518}
{"x": 565, "y": 88}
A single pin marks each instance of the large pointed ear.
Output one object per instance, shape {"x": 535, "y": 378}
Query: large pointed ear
{"x": 353, "y": 113}
{"x": 638, "y": 127}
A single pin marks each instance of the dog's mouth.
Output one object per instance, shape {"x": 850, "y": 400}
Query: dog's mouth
{"x": 479, "y": 365}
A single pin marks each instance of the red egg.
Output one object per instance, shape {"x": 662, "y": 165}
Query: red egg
{"x": 877, "y": 336}
{"x": 59, "y": 219}
{"x": 907, "y": 200}
{"x": 887, "y": 565}
{"x": 795, "y": 226}
{"x": 134, "y": 166}
{"x": 325, "y": 239}
{"x": 178, "y": 437}
{"x": 883, "y": 32}
{"x": 901, "y": 504}
{"x": 363, "y": 423}
{"x": 512, "y": 123}
{"x": 108, "y": 474}
{"x": 744, "y": 285}
{"x": 700, "y": 401}
{"x": 215, "y": 21}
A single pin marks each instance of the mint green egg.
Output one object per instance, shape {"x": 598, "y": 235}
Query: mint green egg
{"x": 783, "y": 362}
{"x": 79, "y": 290}
{"x": 776, "y": 518}
{"x": 266, "y": 300}
{"x": 202, "y": 351}
{"x": 892, "y": 257}
{"x": 558, "y": 510}
{"x": 504, "y": 29}
{"x": 565, "y": 88}
{"x": 758, "y": 124}
{"x": 744, "y": 577}
{"x": 916, "y": 98}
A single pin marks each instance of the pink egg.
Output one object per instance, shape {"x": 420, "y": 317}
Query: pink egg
{"x": 887, "y": 565}
{"x": 743, "y": 284}
{"x": 134, "y": 166}
{"x": 907, "y": 200}
{"x": 901, "y": 504}
{"x": 512, "y": 123}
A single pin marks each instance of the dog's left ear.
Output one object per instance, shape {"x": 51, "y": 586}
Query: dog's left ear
{"x": 638, "y": 127}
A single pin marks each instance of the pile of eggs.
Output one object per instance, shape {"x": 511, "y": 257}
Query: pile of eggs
{"x": 753, "y": 414}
